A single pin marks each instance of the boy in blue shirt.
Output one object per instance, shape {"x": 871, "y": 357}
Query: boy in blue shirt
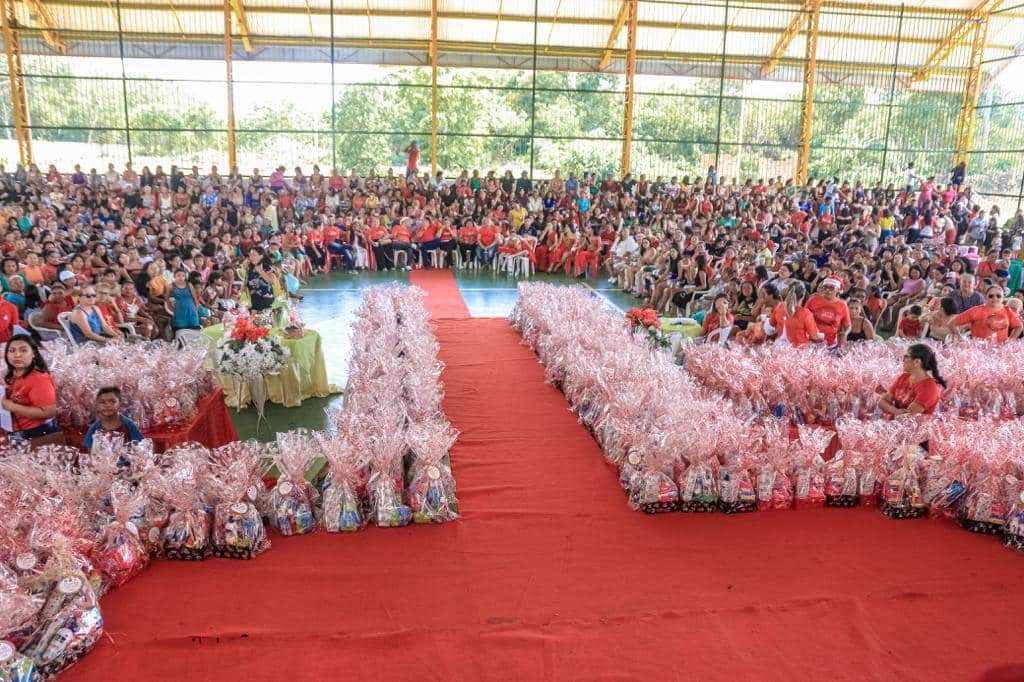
{"x": 109, "y": 418}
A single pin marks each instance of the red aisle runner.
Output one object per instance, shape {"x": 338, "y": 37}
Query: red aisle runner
{"x": 443, "y": 298}
{"x": 550, "y": 576}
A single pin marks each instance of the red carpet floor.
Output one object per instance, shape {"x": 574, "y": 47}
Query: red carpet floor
{"x": 549, "y": 576}
{"x": 443, "y": 298}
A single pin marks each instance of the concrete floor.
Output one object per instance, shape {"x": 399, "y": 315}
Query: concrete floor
{"x": 328, "y": 306}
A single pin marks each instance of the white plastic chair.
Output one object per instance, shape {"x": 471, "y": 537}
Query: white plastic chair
{"x": 64, "y": 320}
{"x": 45, "y": 333}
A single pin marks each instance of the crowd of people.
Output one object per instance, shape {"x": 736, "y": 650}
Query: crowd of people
{"x": 127, "y": 254}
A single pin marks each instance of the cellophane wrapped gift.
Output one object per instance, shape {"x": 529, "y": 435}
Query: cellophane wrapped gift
{"x": 430, "y": 492}
{"x": 698, "y": 483}
{"x": 841, "y": 481}
{"x": 342, "y": 494}
{"x": 232, "y": 480}
{"x": 985, "y": 508}
{"x": 774, "y": 485}
{"x": 736, "y": 484}
{"x": 384, "y": 487}
{"x": 187, "y": 533}
{"x": 68, "y": 624}
{"x": 292, "y": 504}
{"x": 1013, "y": 536}
{"x": 809, "y": 467}
{"x": 17, "y": 610}
{"x": 653, "y": 490}
{"x": 120, "y": 553}
{"x": 902, "y": 496}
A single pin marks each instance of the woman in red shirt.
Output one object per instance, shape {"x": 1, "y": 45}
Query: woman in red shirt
{"x": 791, "y": 322}
{"x": 918, "y": 389}
{"x": 719, "y": 321}
{"x": 993, "y": 320}
{"x": 467, "y": 243}
{"x": 30, "y": 396}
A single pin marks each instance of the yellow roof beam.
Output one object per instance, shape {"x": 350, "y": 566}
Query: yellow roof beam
{"x": 796, "y": 25}
{"x": 613, "y": 37}
{"x": 954, "y": 39}
{"x": 48, "y": 25}
{"x": 243, "y": 23}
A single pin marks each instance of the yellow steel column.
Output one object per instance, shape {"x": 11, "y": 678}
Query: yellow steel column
{"x": 810, "y": 72}
{"x": 19, "y": 103}
{"x": 972, "y": 91}
{"x": 228, "y": 62}
{"x": 433, "y": 87}
{"x": 627, "y": 123}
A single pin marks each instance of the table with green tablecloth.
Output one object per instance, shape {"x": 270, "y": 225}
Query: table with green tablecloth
{"x": 305, "y": 375}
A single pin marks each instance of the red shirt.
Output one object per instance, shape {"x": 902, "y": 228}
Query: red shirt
{"x": 711, "y": 322}
{"x": 830, "y": 316}
{"x": 400, "y": 233}
{"x": 467, "y": 233}
{"x": 800, "y": 327}
{"x": 8, "y": 318}
{"x": 488, "y": 235}
{"x": 925, "y": 393}
{"x": 35, "y": 389}
{"x": 986, "y": 322}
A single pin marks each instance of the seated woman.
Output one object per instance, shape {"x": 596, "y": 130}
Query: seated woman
{"x": 87, "y": 322}
{"x": 30, "y": 396}
{"x": 911, "y": 326}
{"x": 791, "y": 323}
{"x": 861, "y": 328}
{"x": 992, "y": 320}
{"x": 718, "y": 323}
{"x": 941, "y": 324}
{"x": 918, "y": 389}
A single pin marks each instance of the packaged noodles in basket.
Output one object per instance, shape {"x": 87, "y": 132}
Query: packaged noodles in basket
{"x": 292, "y": 504}
{"x": 344, "y": 486}
{"x": 430, "y": 492}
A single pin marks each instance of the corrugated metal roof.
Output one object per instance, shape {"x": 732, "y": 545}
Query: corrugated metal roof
{"x": 571, "y": 34}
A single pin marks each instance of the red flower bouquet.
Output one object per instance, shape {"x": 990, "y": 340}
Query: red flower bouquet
{"x": 646, "y": 320}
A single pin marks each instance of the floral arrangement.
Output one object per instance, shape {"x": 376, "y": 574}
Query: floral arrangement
{"x": 645, "y": 320}
{"x": 161, "y": 384}
{"x": 250, "y": 351}
{"x": 680, "y": 446}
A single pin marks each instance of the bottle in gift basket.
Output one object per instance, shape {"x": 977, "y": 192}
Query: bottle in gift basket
{"x": 737, "y": 492}
{"x": 15, "y": 667}
{"x": 120, "y": 553}
{"x": 901, "y": 491}
{"x": 231, "y": 485}
{"x": 698, "y": 489}
{"x": 69, "y": 625}
{"x": 344, "y": 486}
{"x": 18, "y": 610}
{"x": 1013, "y": 536}
{"x": 292, "y": 504}
{"x": 430, "y": 493}
{"x": 238, "y": 531}
{"x": 653, "y": 490}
